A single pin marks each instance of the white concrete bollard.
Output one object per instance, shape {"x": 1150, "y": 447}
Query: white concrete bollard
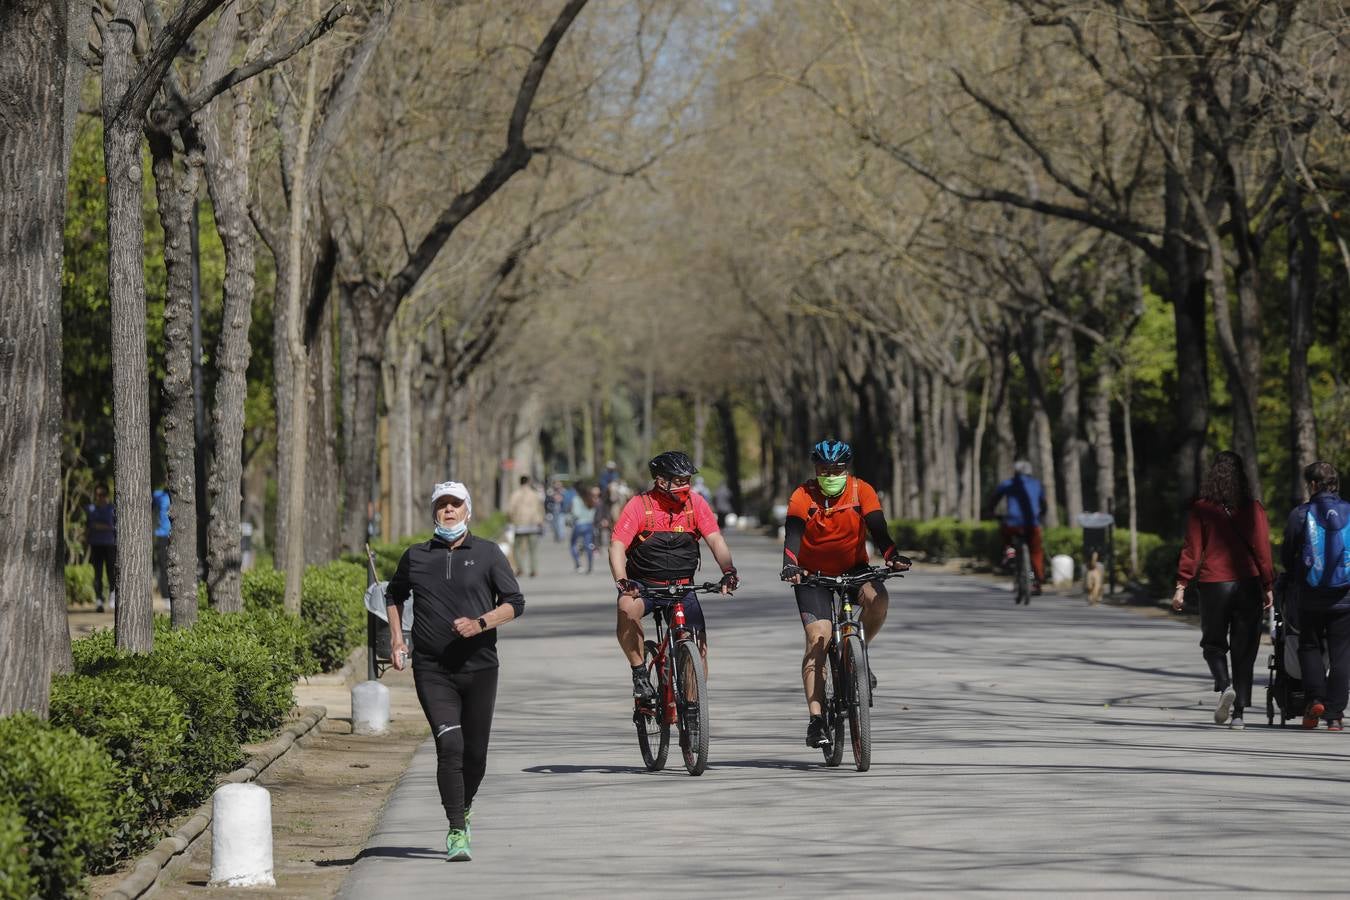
{"x": 370, "y": 708}
{"x": 1061, "y": 569}
{"x": 241, "y": 836}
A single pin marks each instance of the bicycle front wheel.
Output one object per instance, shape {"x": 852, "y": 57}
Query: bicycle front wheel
{"x": 652, "y": 731}
{"x": 691, "y": 702}
{"x": 859, "y": 688}
{"x": 831, "y": 707}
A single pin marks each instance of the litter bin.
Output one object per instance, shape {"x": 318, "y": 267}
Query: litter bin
{"x": 1097, "y": 538}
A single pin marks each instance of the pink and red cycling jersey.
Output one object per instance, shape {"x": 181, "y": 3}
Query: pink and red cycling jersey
{"x": 666, "y": 514}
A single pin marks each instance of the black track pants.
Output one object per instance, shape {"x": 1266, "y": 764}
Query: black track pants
{"x": 458, "y": 707}
{"x": 1230, "y": 622}
{"x": 1333, "y": 626}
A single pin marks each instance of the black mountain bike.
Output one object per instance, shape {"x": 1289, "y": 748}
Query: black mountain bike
{"x": 675, "y": 668}
{"x": 848, "y": 685}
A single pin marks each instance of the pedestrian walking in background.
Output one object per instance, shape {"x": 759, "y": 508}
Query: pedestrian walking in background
{"x": 1316, "y": 558}
{"x": 525, "y": 511}
{"x": 101, "y": 535}
{"x": 159, "y": 509}
{"x": 1226, "y": 555}
{"x": 584, "y": 505}
{"x": 465, "y": 591}
{"x": 722, "y": 504}
{"x": 555, "y": 511}
{"x": 700, "y": 487}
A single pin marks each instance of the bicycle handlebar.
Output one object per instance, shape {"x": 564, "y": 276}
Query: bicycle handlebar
{"x": 673, "y": 592}
{"x": 878, "y": 573}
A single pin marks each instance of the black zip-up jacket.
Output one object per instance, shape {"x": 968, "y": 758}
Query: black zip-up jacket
{"x": 449, "y": 583}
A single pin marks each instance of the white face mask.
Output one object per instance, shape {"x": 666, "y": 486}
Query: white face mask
{"x": 453, "y": 533}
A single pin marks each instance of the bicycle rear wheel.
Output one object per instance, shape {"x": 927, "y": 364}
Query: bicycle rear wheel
{"x": 859, "y": 696}
{"x": 834, "y": 718}
{"x": 652, "y": 731}
{"x": 691, "y": 704}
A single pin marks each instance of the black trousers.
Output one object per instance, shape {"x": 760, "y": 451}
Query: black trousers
{"x": 458, "y": 706}
{"x": 1333, "y": 626}
{"x": 103, "y": 557}
{"x": 1230, "y": 623}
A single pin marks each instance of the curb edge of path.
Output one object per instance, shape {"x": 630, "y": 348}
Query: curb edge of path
{"x": 145, "y": 874}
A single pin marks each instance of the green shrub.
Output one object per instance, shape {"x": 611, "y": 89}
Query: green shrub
{"x": 335, "y": 614}
{"x": 79, "y": 584}
{"x": 262, "y": 679}
{"x": 263, "y": 588}
{"x": 208, "y": 695}
{"x": 1160, "y": 567}
{"x": 16, "y": 875}
{"x": 142, "y": 727}
{"x": 62, "y": 785}
{"x": 286, "y": 636}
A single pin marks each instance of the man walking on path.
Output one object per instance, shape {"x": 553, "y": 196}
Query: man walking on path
{"x": 465, "y": 591}
{"x": 1316, "y": 556}
{"x": 101, "y": 533}
{"x": 525, "y": 510}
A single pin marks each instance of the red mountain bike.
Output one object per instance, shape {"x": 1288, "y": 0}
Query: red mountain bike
{"x": 675, "y": 668}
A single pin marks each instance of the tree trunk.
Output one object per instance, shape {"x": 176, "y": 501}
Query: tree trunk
{"x": 1128, "y": 428}
{"x": 1071, "y": 445}
{"x": 649, "y": 413}
{"x": 700, "y": 428}
{"x": 176, "y": 192}
{"x": 570, "y": 439}
{"x": 731, "y": 448}
{"x": 34, "y": 72}
{"x": 360, "y": 470}
{"x": 227, "y": 178}
{"x": 587, "y": 441}
{"x": 1185, "y": 290}
{"x": 297, "y": 353}
{"x": 976, "y": 488}
{"x": 323, "y": 511}
{"x": 1304, "y": 251}
{"x": 1040, "y": 435}
{"x": 1103, "y": 442}
{"x": 131, "y": 380}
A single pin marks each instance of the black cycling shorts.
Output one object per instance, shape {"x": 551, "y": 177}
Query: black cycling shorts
{"x": 693, "y": 612}
{"x": 816, "y": 604}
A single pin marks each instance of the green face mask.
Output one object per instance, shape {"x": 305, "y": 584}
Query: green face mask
{"x": 832, "y": 485}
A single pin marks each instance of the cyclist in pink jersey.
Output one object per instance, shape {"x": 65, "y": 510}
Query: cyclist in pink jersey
{"x": 655, "y": 542}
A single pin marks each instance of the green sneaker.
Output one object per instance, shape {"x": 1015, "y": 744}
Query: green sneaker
{"x": 457, "y": 846}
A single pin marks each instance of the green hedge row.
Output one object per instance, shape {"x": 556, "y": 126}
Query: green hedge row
{"x": 946, "y": 538}
{"x": 134, "y": 740}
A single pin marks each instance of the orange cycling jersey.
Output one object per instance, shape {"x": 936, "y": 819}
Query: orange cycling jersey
{"x": 835, "y": 539}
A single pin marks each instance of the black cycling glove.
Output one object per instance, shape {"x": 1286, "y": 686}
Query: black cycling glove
{"x": 790, "y": 571}
{"x": 730, "y": 579}
{"x": 627, "y": 586}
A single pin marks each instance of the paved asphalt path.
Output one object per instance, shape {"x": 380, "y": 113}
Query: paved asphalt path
{"x": 1050, "y": 749}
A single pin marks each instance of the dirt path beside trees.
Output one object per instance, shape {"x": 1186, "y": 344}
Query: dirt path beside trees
{"x": 327, "y": 794}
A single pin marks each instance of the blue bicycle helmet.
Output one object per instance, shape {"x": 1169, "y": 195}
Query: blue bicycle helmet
{"x": 831, "y": 452}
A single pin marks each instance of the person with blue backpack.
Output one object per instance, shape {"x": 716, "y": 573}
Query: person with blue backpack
{"x": 1316, "y": 556}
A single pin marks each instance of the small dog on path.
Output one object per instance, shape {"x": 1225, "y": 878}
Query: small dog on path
{"x": 1094, "y": 579}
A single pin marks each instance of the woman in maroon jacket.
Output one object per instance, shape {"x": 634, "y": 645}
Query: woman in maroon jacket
{"x": 1227, "y": 556}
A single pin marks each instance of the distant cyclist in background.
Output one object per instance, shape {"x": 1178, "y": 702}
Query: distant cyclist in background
{"x": 1025, "y": 496}
{"x": 829, "y": 519}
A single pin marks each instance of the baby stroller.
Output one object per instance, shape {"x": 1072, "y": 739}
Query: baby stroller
{"x": 1284, "y": 689}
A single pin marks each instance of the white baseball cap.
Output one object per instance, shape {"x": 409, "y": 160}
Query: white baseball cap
{"x": 451, "y": 489}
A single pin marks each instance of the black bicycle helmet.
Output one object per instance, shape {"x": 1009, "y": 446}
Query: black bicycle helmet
{"x": 672, "y": 464}
{"x": 831, "y": 452}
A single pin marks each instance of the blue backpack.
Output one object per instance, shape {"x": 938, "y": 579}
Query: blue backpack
{"x": 1326, "y": 543}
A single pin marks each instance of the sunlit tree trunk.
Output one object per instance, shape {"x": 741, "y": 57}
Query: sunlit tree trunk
{"x": 35, "y": 107}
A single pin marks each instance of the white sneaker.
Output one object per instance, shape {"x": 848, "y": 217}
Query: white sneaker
{"x": 1236, "y": 723}
{"x": 1225, "y": 707}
